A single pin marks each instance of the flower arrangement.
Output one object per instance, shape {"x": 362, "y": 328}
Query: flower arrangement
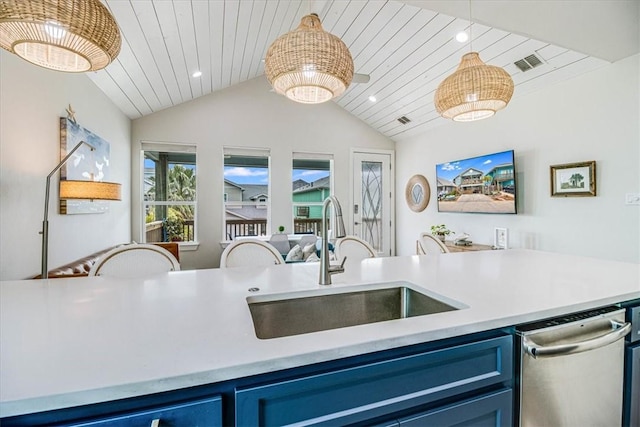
{"x": 441, "y": 231}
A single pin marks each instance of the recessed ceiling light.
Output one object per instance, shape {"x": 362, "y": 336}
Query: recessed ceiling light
{"x": 462, "y": 37}
{"x": 372, "y": 98}
{"x": 196, "y": 73}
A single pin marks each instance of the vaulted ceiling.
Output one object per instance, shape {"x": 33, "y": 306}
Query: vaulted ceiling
{"x": 406, "y": 47}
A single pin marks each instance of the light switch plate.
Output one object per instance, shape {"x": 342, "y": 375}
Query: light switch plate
{"x": 632, "y": 198}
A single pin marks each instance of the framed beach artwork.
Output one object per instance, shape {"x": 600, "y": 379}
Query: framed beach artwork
{"x": 84, "y": 165}
{"x": 574, "y": 179}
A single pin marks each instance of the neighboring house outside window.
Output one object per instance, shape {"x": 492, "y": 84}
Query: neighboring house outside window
{"x": 246, "y": 189}
{"x": 311, "y": 185}
{"x": 169, "y": 202}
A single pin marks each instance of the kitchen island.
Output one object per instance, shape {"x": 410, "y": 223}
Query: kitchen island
{"x": 74, "y": 342}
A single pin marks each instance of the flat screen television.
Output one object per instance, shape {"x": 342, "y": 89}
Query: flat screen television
{"x": 483, "y": 184}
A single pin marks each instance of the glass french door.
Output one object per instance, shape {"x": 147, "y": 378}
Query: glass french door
{"x": 372, "y": 200}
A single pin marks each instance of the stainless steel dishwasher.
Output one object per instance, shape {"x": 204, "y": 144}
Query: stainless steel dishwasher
{"x": 572, "y": 369}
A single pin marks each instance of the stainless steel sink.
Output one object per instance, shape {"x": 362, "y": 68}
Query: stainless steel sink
{"x": 312, "y": 311}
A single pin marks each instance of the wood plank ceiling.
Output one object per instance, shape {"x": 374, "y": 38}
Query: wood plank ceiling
{"x": 406, "y": 50}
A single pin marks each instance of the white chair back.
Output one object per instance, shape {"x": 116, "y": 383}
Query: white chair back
{"x": 135, "y": 260}
{"x": 250, "y": 253}
{"x": 429, "y": 244}
{"x": 280, "y": 242}
{"x": 308, "y": 239}
{"x": 355, "y": 249}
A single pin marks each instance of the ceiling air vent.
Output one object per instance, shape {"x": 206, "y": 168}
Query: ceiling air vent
{"x": 404, "y": 120}
{"x": 529, "y": 62}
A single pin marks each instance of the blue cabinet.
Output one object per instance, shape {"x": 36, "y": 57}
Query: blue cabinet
{"x": 145, "y": 411}
{"x": 383, "y": 390}
{"x": 631, "y": 416}
{"x": 200, "y": 413}
{"x": 459, "y": 380}
{"x": 488, "y": 410}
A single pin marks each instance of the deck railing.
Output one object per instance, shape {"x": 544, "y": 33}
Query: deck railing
{"x": 245, "y": 227}
{"x": 234, "y": 227}
{"x": 258, "y": 227}
{"x": 307, "y": 226}
{"x": 154, "y": 232}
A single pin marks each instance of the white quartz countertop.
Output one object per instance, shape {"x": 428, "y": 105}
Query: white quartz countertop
{"x": 68, "y": 342}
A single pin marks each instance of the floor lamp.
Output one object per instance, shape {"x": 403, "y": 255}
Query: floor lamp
{"x": 71, "y": 189}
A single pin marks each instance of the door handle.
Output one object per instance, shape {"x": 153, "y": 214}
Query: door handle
{"x": 619, "y": 330}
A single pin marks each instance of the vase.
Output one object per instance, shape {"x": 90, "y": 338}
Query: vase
{"x": 441, "y": 237}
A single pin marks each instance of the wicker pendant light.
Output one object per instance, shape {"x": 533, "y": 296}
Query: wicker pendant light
{"x": 64, "y": 35}
{"x": 309, "y": 65}
{"x": 474, "y": 91}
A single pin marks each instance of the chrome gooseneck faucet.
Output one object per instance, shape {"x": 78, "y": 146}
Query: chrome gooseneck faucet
{"x": 326, "y": 269}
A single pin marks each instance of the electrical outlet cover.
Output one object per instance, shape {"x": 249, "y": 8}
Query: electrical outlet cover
{"x": 632, "y": 198}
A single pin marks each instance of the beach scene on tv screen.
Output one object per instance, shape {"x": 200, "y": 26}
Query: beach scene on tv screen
{"x": 484, "y": 184}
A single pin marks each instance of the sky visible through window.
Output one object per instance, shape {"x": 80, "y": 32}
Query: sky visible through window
{"x": 247, "y": 175}
{"x": 252, "y": 175}
{"x": 309, "y": 175}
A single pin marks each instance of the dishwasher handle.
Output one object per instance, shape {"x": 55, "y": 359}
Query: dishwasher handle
{"x": 539, "y": 351}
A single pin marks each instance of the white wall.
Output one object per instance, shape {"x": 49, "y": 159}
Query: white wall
{"x": 595, "y": 116}
{"x": 249, "y": 115}
{"x": 32, "y": 99}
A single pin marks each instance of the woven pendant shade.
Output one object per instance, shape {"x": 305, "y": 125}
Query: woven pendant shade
{"x": 63, "y": 35}
{"x": 474, "y": 91}
{"x": 309, "y": 65}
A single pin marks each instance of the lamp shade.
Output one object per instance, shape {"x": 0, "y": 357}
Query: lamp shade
{"x": 474, "y": 91}
{"x": 309, "y": 65}
{"x": 62, "y": 35}
{"x": 89, "y": 190}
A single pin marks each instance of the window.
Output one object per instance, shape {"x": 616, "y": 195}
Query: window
{"x": 169, "y": 193}
{"x": 302, "y": 211}
{"x": 311, "y": 184}
{"x": 246, "y": 189}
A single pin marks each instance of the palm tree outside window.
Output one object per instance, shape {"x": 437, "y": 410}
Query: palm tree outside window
{"x": 169, "y": 193}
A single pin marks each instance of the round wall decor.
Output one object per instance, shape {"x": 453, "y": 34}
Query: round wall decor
{"x": 417, "y": 193}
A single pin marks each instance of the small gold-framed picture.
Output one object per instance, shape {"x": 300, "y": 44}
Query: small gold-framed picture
{"x": 574, "y": 179}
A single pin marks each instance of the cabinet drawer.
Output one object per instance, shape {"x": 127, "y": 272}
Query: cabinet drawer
{"x": 376, "y": 389}
{"x": 494, "y": 409}
{"x": 204, "y": 413}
